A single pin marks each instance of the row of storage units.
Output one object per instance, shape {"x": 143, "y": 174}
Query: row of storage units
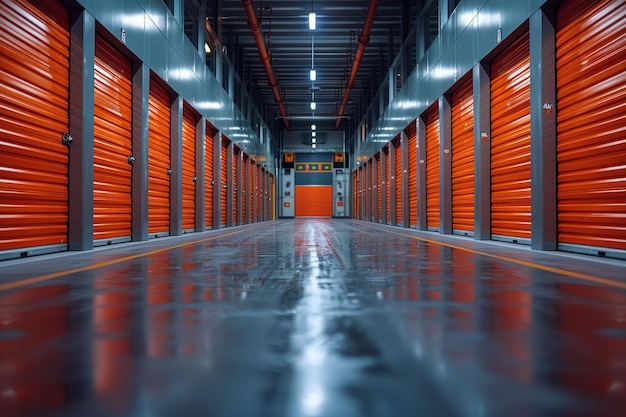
{"x": 528, "y": 147}
{"x": 111, "y": 183}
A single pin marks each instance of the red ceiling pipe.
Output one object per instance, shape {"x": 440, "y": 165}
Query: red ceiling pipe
{"x": 364, "y": 39}
{"x": 258, "y": 38}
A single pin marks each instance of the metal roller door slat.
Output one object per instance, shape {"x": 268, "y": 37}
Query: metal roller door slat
{"x": 159, "y": 120}
{"x": 510, "y": 142}
{"x": 34, "y": 62}
{"x": 432, "y": 168}
{"x": 412, "y": 134}
{"x": 112, "y": 143}
{"x": 591, "y": 96}
{"x": 463, "y": 158}
{"x": 189, "y": 169}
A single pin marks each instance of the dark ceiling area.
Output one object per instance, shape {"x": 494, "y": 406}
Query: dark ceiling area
{"x": 293, "y": 50}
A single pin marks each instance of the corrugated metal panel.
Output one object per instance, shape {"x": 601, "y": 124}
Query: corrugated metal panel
{"x": 379, "y": 191}
{"x": 189, "y": 168}
{"x": 159, "y": 120}
{"x": 398, "y": 177}
{"x": 432, "y": 168}
{"x": 412, "y": 135}
{"x": 591, "y": 120}
{"x": 387, "y": 180}
{"x": 463, "y": 158}
{"x": 34, "y": 114}
{"x": 208, "y": 175}
{"x": 510, "y": 141}
{"x": 112, "y": 143}
{"x": 224, "y": 179}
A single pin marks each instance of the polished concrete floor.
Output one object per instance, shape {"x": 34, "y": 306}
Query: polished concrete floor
{"x": 313, "y": 317}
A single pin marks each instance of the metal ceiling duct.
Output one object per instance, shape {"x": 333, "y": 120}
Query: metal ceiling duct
{"x": 265, "y": 58}
{"x": 364, "y": 39}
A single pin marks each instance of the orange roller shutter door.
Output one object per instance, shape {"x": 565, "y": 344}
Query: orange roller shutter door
{"x": 112, "y": 143}
{"x": 251, "y": 190}
{"x": 159, "y": 120}
{"x": 387, "y": 180}
{"x": 379, "y": 191}
{"x": 208, "y": 176}
{"x": 34, "y": 63}
{"x": 398, "y": 177}
{"x": 432, "y": 168}
{"x": 591, "y": 144}
{"x": 510, "y": 141}
{"x": 224, "y": 180}
{"x": 245, "y": 176}
{"x": 236, "y": 167}
{"x": 463, "y": 158}
{"x": 189, "y": 168}
{"x": 412, "y": 134}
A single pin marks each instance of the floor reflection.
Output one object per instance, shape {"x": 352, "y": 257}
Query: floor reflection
{"x": 313, "y": 318}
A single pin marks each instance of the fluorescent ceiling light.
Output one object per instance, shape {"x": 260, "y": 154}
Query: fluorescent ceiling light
{"x": 313, "y": 140}
{"x": 313, "y": 127}
{"x": 314, "y": 146}
{"x": 313, "y": 75}
{"x": 313, "y": 105}
{"x": 312, "y": 21}
{"x": 313, "y": 134}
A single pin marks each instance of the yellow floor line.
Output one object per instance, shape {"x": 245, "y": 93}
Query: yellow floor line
{"x": 573, "y": 274}
{"x": 47, "y": 277}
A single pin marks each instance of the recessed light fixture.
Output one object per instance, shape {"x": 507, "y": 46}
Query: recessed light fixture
{"x": 312, "y": 21}
{"x": 313, "y": 127}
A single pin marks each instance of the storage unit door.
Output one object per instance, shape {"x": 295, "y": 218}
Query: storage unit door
{"x": 388, "y": 182}
{"x": 432, "y": 168}
{"x": 463, "y": 159}
{"x": 412, "y": 134}
{"x": 245, "y": 206}
{"x": 379, "y": 191}
{"x": 361, "y": 193}
{"x": 251, "y": 190}
{"x": 398, "y": 175}
{"x": 591, "y": 120}
{"x": 224, "y": 180}
{"x": 34, "y": 62}
{"x": 208, "y": 176}
{"x": 236, "y": 168}
{"x": 189, "y": 169}
{"x": 258, "y": 193}
{"x": 354, "y": 195}
{"x": 112, "y": 143}
{"x": 159, "y": 119}
{"x": 510, "y": 142}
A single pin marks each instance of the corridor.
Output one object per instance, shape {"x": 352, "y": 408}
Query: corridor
{"x": 313, "y": 317}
